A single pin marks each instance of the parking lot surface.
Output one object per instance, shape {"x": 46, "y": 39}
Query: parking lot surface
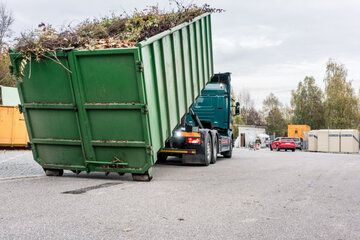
{"x": 254, "y": 195}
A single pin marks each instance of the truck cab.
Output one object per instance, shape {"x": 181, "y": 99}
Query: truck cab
{"x": 206, "y": 130}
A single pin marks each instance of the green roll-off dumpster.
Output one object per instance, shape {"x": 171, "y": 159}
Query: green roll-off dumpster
{"x": 115, "y": 108}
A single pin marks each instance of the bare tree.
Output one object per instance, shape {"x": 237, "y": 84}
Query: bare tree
{"x": 6, "y": 20}
{"x": 246, "y": 104}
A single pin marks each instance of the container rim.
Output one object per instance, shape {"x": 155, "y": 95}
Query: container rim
{"x": 169, "y": 31}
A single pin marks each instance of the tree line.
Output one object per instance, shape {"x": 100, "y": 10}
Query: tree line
{"x": 336, "y": 107}
{"x": 6, "y": 21}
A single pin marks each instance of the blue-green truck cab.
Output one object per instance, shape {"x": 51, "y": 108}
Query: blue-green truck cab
{"x": 206, "y": 130}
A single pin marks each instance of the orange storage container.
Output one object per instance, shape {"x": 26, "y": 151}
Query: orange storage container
{"x": 13, "y": 131}
{"x": 298, "y": 130}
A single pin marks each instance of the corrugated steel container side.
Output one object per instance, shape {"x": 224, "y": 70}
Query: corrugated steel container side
{"x": 177, "y": 66}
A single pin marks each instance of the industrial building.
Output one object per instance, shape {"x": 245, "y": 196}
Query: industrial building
{"x": 248, "y": 135}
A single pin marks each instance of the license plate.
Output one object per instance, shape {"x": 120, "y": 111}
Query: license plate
{"x": 287, "y": 143}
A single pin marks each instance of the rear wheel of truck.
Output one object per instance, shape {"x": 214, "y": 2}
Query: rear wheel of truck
{"x": 214, "y": 151}
{"x": 207, "y": 150}
{"x": 54, "y": 172}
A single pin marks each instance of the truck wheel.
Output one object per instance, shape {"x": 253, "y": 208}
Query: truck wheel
{"x": 207, "y": 150}
{"x": 214, "y": 151}
{"x": 54, "y": 172}
{"x": 228, "y": 154}
{"x": 161, "y": 157}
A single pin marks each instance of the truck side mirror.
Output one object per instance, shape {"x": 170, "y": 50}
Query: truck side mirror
{"x": 237, "y": 108}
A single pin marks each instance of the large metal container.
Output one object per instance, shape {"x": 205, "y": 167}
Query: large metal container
{"x": 12, "y": 127}
{"x": 349, "y": 141}
{"x": 329, "y": 140}
{"x": 313, "y": 141}
{"x": 334, "y": 140}
{"x": 298, "y": 130}
{"x": 117, "y": 107}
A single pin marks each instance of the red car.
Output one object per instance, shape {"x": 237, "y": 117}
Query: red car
{"x": 283, "y": 143}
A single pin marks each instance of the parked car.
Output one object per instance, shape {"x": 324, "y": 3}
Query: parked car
{"x": 283, "y": 143}
{"x": 298, "y": 142}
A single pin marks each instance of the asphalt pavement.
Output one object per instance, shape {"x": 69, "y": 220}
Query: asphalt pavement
{"x": 254, "y": 195}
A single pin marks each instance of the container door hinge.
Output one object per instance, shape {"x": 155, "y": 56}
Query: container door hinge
{"x": 21, "y": 108}
{"x": 145, "y": 109}
{"x": 150, "y": 151}
{"x": 140, "y": 66}
{"x": 76, "y": 108}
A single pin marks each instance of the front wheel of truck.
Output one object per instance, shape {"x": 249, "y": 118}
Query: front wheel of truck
{"x": 228, "y": 154}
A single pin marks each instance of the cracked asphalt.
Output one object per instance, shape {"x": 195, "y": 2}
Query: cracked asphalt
{"x": 254, "y": 195}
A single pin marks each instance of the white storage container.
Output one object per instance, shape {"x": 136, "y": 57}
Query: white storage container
{"x": 334, "y": 140}
{"x": 313, "y": 141}
{"x": 323, "y": 140}
{"x": 349, "y": 141}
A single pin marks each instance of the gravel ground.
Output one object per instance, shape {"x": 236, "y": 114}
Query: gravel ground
{"x": 254, "y": 195}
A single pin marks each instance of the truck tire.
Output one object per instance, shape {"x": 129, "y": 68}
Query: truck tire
{"x": 228, "y": 154}
{"x": 214, "y": 151}
{"x": 161, "y": 157}
{"x": 207, "y": 150}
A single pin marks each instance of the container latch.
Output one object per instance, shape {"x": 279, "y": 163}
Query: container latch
{"x": 140, "y": 66}
{"x": 149, "y": 150}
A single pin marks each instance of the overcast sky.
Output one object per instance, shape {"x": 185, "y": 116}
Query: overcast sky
{"x": 268, "y": 45}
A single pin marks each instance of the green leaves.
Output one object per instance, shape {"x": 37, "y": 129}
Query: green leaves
{"x": 274, "y": 117}
{"x": 338, "y": 107}
{"x": 342, "y": 106}
{"x": 308, "y": 105}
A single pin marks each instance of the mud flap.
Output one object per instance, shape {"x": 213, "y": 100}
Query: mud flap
{"x": 197, "y": 159}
